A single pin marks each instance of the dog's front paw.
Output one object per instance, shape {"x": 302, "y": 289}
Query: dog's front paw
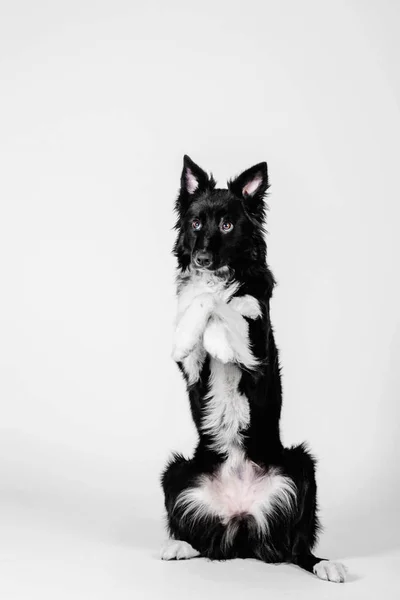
{"x": 191, "y": 325}
{"x": 182, "y": 346}
{"x": 193, "y": 363}
{"x": 178, "y": 550}
{"x": 216, "y": 343}
{"x": 247, "y": 306}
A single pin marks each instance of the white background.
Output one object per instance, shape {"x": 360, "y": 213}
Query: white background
{"x": 98, "y": 103}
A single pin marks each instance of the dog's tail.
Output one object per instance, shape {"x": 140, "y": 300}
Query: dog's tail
{"x": 237, "y": 532}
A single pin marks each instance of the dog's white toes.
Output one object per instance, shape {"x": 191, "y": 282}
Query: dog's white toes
{"x": 330, "y": 571}
{"x": 183, "y": 344}
{"x": 193, "y": 363}
{"x": 191, "y": 325}
{"x": 216, "y": 343}
{"x": 178, "y": 550}
{"x": 247, "y": 306}
{"x": 178, "y": 353}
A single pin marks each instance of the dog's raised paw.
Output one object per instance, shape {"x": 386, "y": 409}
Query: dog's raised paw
{"x": 247, "y": 306}
{"x": 191, "y": 325}
{"x": 216, "y": 343}
{"x": 193, "y": 363}
{"x": 177, "y": 550}
{"x": 184, "y": 342}
{"x": 330, "y": 571}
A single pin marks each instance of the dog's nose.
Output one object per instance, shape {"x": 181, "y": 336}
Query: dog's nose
{"x": 203, "y": 259}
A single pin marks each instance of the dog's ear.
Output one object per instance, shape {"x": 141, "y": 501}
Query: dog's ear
{"x": 193, "y": 178}
{"x": 251, "y": 186}
{"x": 193, "y": 181}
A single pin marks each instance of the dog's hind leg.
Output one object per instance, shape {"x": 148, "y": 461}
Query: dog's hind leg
{"x": 328, "y": 570}
{"x": 301, "y": 467}
{"x": 177, "y": 476}
{"x": 192, "y": 531}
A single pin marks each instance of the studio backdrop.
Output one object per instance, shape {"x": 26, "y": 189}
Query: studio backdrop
{"x": 99, "y": 103}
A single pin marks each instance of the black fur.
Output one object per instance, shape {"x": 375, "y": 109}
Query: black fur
{"x": 292, "y": 537}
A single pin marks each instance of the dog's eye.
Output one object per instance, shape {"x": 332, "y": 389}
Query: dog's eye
{"x": 226, "y": 226}
{"x": 196, "y": 224}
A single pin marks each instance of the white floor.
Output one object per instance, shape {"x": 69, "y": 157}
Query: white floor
{"x": 52, "y": 557}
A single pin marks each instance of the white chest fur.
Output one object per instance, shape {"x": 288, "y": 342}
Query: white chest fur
{"x": 195, "y": 283}
{"x": 227, "y": 412}
{"x": 211, "y": 322}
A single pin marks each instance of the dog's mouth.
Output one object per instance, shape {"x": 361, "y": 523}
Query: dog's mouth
{"x": 203, "y": 261}
{"x": 222, "y": 271}
{"x": 201, "y": 269}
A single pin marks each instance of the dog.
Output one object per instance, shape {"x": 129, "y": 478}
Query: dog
{"x": 242, "y": 495}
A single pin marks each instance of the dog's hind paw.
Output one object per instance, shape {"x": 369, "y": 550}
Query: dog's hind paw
{"x": 178, "y": 550}
{"x": 330, "y": 571}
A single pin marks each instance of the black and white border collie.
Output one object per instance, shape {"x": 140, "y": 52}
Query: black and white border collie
{"x": 242, "y": 494}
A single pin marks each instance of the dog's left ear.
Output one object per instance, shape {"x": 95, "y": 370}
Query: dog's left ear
{"x": 251, "y": 187}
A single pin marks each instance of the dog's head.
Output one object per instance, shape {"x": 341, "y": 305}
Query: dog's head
{"x": 220, "y": 227}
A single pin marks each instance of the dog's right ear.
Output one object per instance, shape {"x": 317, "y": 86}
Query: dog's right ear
{"x": 193, "y": 178}
{"x": 193, "y": 181}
